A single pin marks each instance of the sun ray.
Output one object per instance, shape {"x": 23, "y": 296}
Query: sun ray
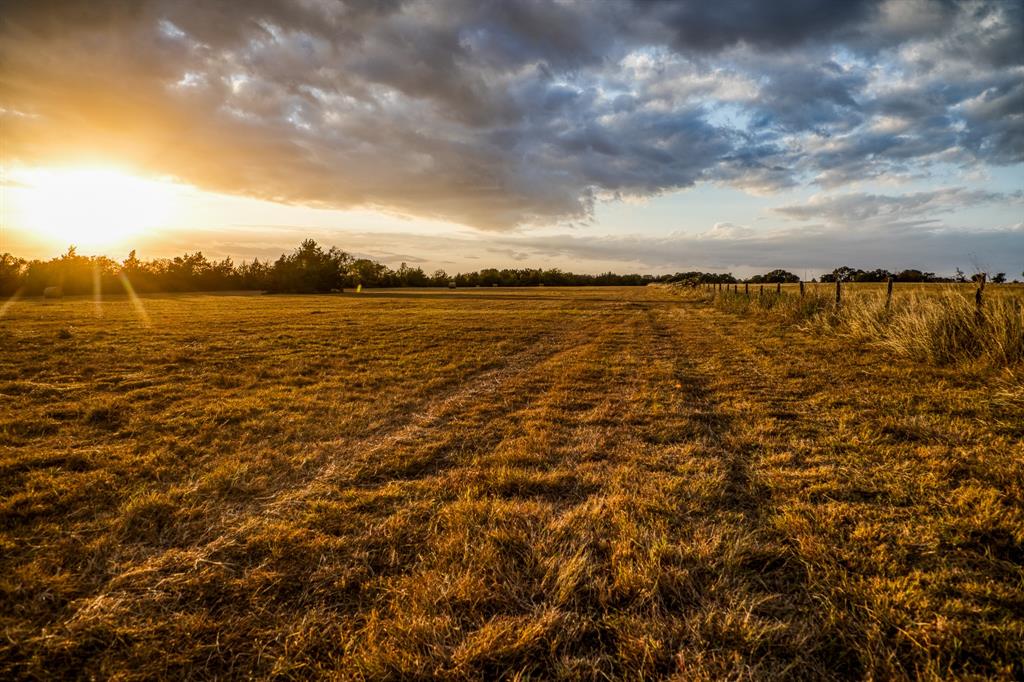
{"x": 97, "y": 291}
{"x": 140, "y": 309}
{"x": 11, "y": 301}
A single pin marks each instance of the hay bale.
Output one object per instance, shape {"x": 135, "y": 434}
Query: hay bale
{"x": 53, "y": 292}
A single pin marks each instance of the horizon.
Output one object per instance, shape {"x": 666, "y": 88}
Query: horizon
{"x": 805, "y": 276}
{"x": 626, "y": 137}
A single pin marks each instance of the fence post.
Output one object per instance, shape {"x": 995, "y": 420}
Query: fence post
{"x": 801, "y": 288}
{"x": 838, "y": 294}
{"x": 746, "y": 289}
{"x": 778, "y": 288}
{"x": 760, "y": 292}
{"x": 888, "y": 294}
{"x": 978, "y": 296}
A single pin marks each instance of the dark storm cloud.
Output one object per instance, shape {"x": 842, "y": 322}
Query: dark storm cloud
{"x": 717, "y": 25}
{"x": 504, "y": 113}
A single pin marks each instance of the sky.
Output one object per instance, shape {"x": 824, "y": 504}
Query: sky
{"x": 625, "y": 135}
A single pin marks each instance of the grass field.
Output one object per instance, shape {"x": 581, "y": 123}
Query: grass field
{"x": 586, "y": 483}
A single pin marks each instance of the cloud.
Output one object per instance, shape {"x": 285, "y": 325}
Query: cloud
{"x": 718, "y": 25}
{"x": 859, "y": 207}
{"x": 728, "y": 231}
{"x": 892, "y": 247}
{"x": 506, "y": 114}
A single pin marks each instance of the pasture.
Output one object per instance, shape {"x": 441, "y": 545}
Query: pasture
{"x": 582, "y": 483}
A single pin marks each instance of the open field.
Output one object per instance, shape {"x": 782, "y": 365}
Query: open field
{"x": 588, "y": 483}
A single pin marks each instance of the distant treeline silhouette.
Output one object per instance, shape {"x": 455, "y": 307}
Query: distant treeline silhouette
{"x": 310, "y": 268}
{"x": 842, "y": 274}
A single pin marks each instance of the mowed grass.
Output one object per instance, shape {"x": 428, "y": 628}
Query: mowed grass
{"x": 578, "y": 483}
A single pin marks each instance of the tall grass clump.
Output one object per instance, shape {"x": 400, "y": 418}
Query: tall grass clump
{"x": 941, "y": 327}
{"x": 784, "y": 307}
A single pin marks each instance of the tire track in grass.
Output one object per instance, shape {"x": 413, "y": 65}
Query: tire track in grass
{"x": 628, "y": 558}
{"x": 459, "y": 427}
{"x": 862, "y": 509}
{"x": 515, "y": 492}
{"x": 761, "y": 589}
{"x": 133, "y": 577}
{"x": 506, "y": 390}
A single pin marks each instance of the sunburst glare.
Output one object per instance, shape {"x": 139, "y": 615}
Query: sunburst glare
{"x": 91, "y": 207}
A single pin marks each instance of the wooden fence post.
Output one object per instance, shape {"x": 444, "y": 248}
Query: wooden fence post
{"x": 801, "y": 288}
{"x": 778, "y": 288}
{"x": 746, "y": 289}
{"x": 838, "y": 294}
{"x": 888, "y": 294}
{"x": 760, "y": 292}
{"x": 978, "y": 296}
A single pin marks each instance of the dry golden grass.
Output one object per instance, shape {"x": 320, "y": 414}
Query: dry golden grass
{"x": 589, "y": 483}
{"x": 933, "y": 323}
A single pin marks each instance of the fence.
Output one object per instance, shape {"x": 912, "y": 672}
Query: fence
{"x": 940, "y": 324}
{"x": 979, "y": 293}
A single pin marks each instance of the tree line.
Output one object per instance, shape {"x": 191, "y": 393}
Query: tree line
{"x": 311, "y": 268}
{"x": 308, "y": 269}
{"x": 841, "y": 274}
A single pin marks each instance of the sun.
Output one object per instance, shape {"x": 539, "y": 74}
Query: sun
{"x": 91, "y": 207}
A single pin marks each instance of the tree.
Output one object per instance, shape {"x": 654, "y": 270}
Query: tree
{"x": 12, "y": 274}
{"x": 913, "y": 276}
{"x": 842, "y": 274}
{"x": 75, "y": 274}
{"x": 411, "y": 277}
{"x": 368, "y": 273}
{"x": 775, "y": 276}
{"x": 184, "y": 273}
{"x": 254, "y": 275}
{"x": 310, "y": 269}
{"x": 877, "y": 275}
{"x": 999, "y": 278}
